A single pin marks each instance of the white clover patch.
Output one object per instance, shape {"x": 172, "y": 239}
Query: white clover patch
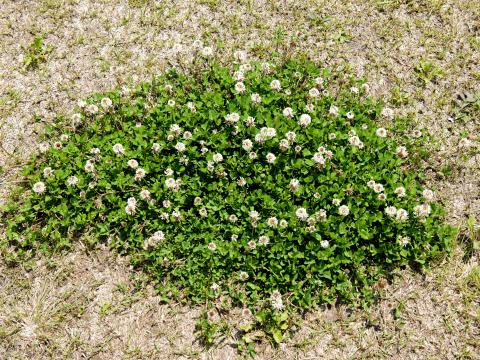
{"x": 254, "y": 182}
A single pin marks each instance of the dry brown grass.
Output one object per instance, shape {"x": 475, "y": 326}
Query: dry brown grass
{"x": 86, "y": 304}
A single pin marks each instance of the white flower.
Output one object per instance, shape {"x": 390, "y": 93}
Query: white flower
{"x": 232, "y": 218}
{"x": 302, "y": 214}
{"x": 378, "y": 188}
{"x": 145, "y": 194}
{"x": 171, "y": 102}
{"x": 270, "y": 158}
{"x": 354, "y": 90}
{"x": 232, "y": 118}
{"x": 294, "y": 185}
{"x": 350, "y": 115}
{"x": 47, "y": 172}
{"x": 332, "y": 136}
{"x": 187, "y": 135}
{"x": 130, "y": 209}
{"x": 212, "y": 246}
{"x": 254, "y": 216}
{"x": 401, "y": 151}
{"x": 64, "y": 137}
{"x": 298, "y": 149}
{"x": 92, "y": 109}
{"x": 239, "y": 75}
{"x": 336, "y": 202}
{"x": 382, "y": 197}
{"x": 318, "y": 159}
{"x": 291, "y": 136}
{"x": 333, "y": 110}
{"x": 175, "y": 128}
{"x": 275, "y": 85}
{"x": 243, "y": 275}
{"x": 43, "y": 147}
{"x": 81, "y": 103}
{"x": 402, "y": 215}
{"x": 403, "y": 240}
{"x": 343, "y": 210}
{"x": 215, "y": 287}
{"x": 118, "y": 149}
{"x": 252, "y": 155}
{"x": 284, "y": 145}
{"x": 381, "y": 132}
{"x": 180, "y": 147}
{"x": 217, "y": 157}
{"x": 168, "y": 172}
{"x": 354, "y": 140}
{"x": 191, "y": 106}
{"x": 324, "y": 244}
{"x": 207, "y": 51}
{"x": 197, "y": 200}
{"x": 313, "y": 92}
{"x": 203, "y": 212}
{"x": 39, "y": 187}
{"x": 133, "y": 163}
{"x": 283, "y": 223}
{"x": 309, "y": 107}
{"x": 288, "y": 112}
{"x": 400, "y": 191}
{"x": 95, "y": 151}
{"x": 321, "y": 215}
{"x": 170, "y": 183}
{"x": 210, "y": 165}
{"x": 256, "y": 98}
{"x": 387, "y": 113}
{"x": 304, "y": 120}
{"x": 252, "y": 244}
{"x": 106, "y": 103}
{"x": 72, "y": 181}
{"x": 250, "y": 121}
{"x": 139, "y": 174}
{"x": 416, "y": 134}
{"x": 276, "y": 300}
{"x": 57, "y": 145}
{"x": 422, "y": 210}
{"x": 240, "y": 55}
{"x": 89, "y": 167}
{"x": 156, "y": 147}
{"x": 154, "y": 239}
{"x": 234, "y": 237}
{"x": 170, "y": 137}
{"x": 266, "y": 67}
{"x": 263, "y": 240}
{"x": 241, "y": 182}
{"x": 247, "y": 144}
{"x": 319, "y": 81}
{"x": 272, "y": 222}
{"x": 428, "y": 194}
{"x": 391, "y": 211}
{"x": 240, "y": 87}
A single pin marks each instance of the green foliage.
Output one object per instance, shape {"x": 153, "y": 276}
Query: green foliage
{"x": 36, "y": 53}
{"x": 427, "y": 71}
{"x": 199, "y": 238}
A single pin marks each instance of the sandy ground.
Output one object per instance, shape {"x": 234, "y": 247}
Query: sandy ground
{"x": 423, "y": 57}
